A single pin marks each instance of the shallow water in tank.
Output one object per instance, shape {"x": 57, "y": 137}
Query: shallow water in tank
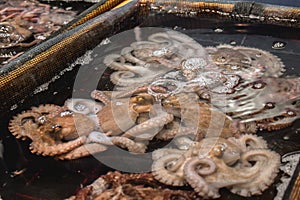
{"x": 27, "y": 176}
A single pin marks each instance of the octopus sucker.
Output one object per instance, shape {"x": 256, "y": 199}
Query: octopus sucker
{"x": 100, "y": 96}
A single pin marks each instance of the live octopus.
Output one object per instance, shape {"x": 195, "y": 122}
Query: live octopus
{"x": 238, "y": 164}
{"x": 51, "y": 131}
{"x": 249, "y": 63}
{"x": 272, "y": 103}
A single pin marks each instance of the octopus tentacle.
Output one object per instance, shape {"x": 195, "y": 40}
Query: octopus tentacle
{"x": 142, "y": 130}
{"x": 111, "y": 61}
{"x": 127, "y": 54}
{"x": 129, "y": 78}
{"x": 247, "y": 142}
{"x": 141, "y": 89}
{"x": 100, "y": 138}
{"x": 193, "y": 175}
{"x": 16, "y": 123}
{"x": 131, "y": 145}
{"x": 262, "y": 176}
{"x": 48, "y": 109}
{"x": 83, "y": 151}
{"x": 57, "y": 149}
{"x": 157, "y": 154}
{"x": 100, "y": 96}
{"x": 163, "y": 174}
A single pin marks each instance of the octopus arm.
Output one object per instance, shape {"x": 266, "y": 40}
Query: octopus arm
{"x": 260, "y": 175}
{"x": 53, "y": 150}
{"x": 131, "y": 145}
{"x": 194, "y": 171}
{"x": 147, "y": 129}
{"x": 50, "y": 110}
{"x": 16, "y": 124}
{"x": 100, "y": 96}
{"x": 83, "y": 151}
{"x": 164, "y": 175}
{"x": 248, "y": 142}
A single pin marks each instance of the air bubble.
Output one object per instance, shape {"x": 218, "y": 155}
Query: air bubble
{"x": 205, "y": 95}
{"x": 218, "y": 30}
{"x": 286, "y": 137}
{"x": 234, "y": 67}
{"x": 269, "y": 105}
{"x": 278, "y": 45}
{"x": 232, "y": 42}
{"x": 258, "y": 85}
{"x": 291, "y": 113}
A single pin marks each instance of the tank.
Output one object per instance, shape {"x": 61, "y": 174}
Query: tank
{"x": 240, "y": 59}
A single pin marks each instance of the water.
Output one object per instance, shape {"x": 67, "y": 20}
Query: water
{"x": 27, "y": 176}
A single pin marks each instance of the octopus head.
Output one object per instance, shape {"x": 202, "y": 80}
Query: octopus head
{"x": 227, "y": 151}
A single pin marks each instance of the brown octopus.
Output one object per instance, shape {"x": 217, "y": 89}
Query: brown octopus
{"x": 52, "y": 131}
{"x": 238, "y": 164}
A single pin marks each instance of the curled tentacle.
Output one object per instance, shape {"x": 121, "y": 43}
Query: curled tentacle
{"x": 262, "y": 166}
{"x": 115, "y": 61}
{"x": 194, "y": 169}
{"x": 16, "y": 123}
{"x": 161, "y": 172}
{"x": 127, "y": 54}
{"x": 247, "y": 142}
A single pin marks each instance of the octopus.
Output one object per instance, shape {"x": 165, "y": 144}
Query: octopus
{"x": 52, "y": 132}
{"x": 115, "y": 185}
{"x": 11, "y": 34}
{"x": 84, "y": 127}
{"x": 247, "y": 62}
{"x": 238, "y": 164}
{"x": 143, "y": 61}
{"x": 26, "y": 23}
{"x": 118, "y": 119}
{"x": 207, "y": 102}
{"x": 272, "y": 103}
